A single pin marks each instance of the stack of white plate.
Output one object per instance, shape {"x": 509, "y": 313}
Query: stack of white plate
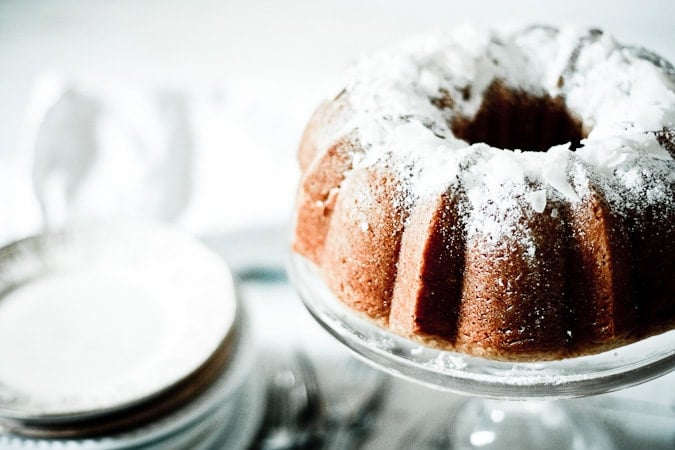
{"x": 123, "y": 336}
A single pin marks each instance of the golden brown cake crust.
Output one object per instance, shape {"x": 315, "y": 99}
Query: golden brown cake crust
{"x": 317, "y": 196}
{"x": 602, "y": 301}
{"x": 363, "y": 241}
{"x": 327, "y": 117}
{"x": 428, "y": 286}
{"x": 652, "y": 238}
{"x": 518, "y": 216}
{"x": 513, "y": 293}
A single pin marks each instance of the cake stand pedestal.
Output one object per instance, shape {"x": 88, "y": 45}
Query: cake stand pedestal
{"x": 503, "y": 424}
{"x": 492, "y": 419}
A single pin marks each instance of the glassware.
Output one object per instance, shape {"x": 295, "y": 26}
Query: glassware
{"x": 499, "y": 423}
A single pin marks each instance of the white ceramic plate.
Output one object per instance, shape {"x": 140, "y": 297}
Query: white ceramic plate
{"x": 225, "y": 415}
{"x": 100, "y": 318}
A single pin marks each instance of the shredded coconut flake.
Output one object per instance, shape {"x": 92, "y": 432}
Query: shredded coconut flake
{"x": 537, "y": 200}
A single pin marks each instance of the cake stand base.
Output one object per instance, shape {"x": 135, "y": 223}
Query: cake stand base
{"x": 496, "y": 424}
{"x": 502, "y": 422}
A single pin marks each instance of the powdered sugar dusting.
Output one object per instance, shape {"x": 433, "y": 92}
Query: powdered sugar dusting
{"x": 403, "y": 100}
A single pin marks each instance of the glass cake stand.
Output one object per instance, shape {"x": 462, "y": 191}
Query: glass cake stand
{"x": 491, "y": 420}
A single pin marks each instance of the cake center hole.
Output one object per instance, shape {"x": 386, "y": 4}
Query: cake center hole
{"x": 513, "y": 119}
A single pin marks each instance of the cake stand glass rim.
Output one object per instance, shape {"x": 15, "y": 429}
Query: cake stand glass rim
{"x": 456, "y": 372}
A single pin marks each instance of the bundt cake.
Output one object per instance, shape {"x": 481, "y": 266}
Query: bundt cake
{"x": 509, "y": 195}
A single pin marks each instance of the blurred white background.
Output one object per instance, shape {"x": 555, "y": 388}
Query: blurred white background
{"x": 263, "y": 65}
{"x": 197, "y": 106}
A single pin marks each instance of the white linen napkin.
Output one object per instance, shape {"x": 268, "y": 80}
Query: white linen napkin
{"x": 208, "y": 158}
{"x": 115, "y": 153}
